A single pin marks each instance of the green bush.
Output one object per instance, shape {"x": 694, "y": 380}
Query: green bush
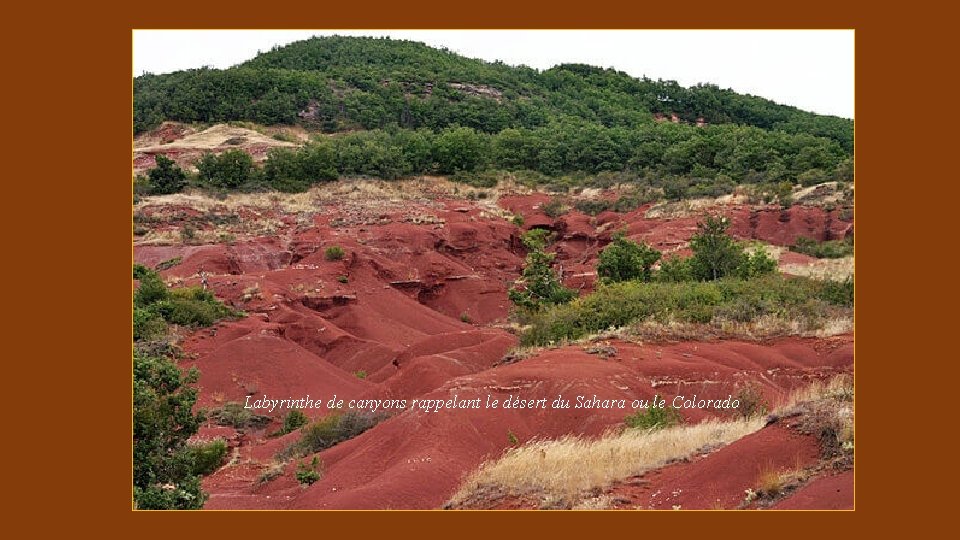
{"x": 333, "y": 429}
{"x": 148, "y": 324}
{"x": 237, "y": 416}
{"x": 207, "y": 457}
{"x": 307, "y": 475}
{"x": 755, "y": 265}
{"x": 168, "y": 264}
{"x": 592, "y": 207}
{"x": 830, "y": 249}
{"x": 674, "y": 269}
{"x": 555, "y": 208}
{"x": 192, "y": 306}
{"x": 654, "y": 417}
{"x": 166, "y": 177}
{"x": 295, "y": 419}
{"x": 230, "y": 170}
{"x": 334, "y": 253}
{"x": 625, "y": 260}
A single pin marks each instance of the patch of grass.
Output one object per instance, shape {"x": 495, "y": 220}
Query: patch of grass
{"x": 654, "y": 417}
{"x": 360, "y": 374}
{"x": 567, "y": 468}
{"x": 274, "y": 471}
{"x": 334, "y": 253}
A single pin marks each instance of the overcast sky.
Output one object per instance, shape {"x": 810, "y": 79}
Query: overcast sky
{"x": 810, "y": 69}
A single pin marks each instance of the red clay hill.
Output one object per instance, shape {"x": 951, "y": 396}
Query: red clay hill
{"x": 417, "y": 309}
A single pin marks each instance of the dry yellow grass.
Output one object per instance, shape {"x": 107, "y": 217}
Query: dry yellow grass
{"x": 569, "y": 466}
{"x": 832, "y": 269}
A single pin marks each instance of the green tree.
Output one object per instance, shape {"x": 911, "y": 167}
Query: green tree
{"x": 231, "y": 169}
{"x": 715, "y": 254}
{"x": 541, "y": 285}
{"x": 163, "y": 420}
{"x": 626, "y": 260}
{"x": 166, "y": 177}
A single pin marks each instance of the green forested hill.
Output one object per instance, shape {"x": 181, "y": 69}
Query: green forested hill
{"x": 475, "y": 114}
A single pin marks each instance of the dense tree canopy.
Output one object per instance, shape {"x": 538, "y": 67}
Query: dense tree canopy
{"x": 399, "y": 108}
{"x": 340, "y": 83}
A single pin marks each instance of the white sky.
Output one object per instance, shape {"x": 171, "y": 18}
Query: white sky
{"x": 810, "y": 69}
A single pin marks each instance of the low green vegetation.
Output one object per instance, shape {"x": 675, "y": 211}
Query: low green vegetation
{"x": 654, "y": 417}
{"x": 626, "y": 260}
{"x": 166, "y": 177}
{"x": 295, "y": 419}
{"x": 397, "y": 109}
{"x": 332, "y": 429}
{"x": 721, "y": 281}
{"x": 334, "y": 253}
{"x": 168, "y": 264}
{"x": 619, "y": 304}
{"x": 155, "y": 305}
{"x": 207, "y": 457}
{"x": 539, "y": 285}
{"x": 235, "y": 415}
{"x": 308, "y": 474}
{"x": 830, "y": 249}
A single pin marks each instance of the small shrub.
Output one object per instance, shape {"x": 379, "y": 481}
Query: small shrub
{"x": 830, "y": 249}
{"x": 751, "y": 402}
{"x": 625, "y": 260}
{"x": 168, "y": 264}
{"x": 517, "y": 220}
{"x": 334, "y": 253}
{"x": 360, "y": 374}
{"x": 465, "y": 317}
{"x": 654, "y": 417}
{"x": 512, "y": 437}
{"x": 207, "y": 457}
{"x": 307, "y": 475}
{"x": 333, "y": 429}
{"x": 343, "y": 279}
{"x": 593, "y": 207}
{"x": 167, "y": 177}
{"x": 188, "y": 234}
{"x": 274, "y": 471}
{"x": 234, "y": 414}
{"x": 555, "y": 208}
{"x": 295, "y": 419}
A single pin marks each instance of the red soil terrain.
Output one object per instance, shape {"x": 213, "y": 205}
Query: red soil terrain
{"x": 413, "y": 308}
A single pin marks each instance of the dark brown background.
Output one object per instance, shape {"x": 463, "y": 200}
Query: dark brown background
{"x": 67, "y": 168}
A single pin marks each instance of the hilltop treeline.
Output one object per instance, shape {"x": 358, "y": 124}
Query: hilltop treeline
{"x": 346, "y": 83}
{"x": 683, "y": 159}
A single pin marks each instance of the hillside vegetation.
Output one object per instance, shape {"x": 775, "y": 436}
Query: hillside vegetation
{"x": 400, "y": 108}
